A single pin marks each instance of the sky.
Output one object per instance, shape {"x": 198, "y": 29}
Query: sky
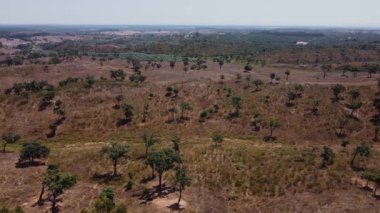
{"x": 330, "y": 13}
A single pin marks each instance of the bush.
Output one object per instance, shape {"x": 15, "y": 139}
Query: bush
{"x": 46, "y": 100}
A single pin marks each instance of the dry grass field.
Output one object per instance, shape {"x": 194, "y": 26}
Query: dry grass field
{"x": 246, "y": 173}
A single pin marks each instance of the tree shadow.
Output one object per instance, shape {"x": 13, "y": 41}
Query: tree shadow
{"x": 176, "y": 207}
{"x": 105, "y": 178}
{"x": 147, "y": 179}
{"x": 154, "y": 193}
{"x": 20, "y": 165}
{"x": 269, "y": 138}
{"x": 122, "y": 122}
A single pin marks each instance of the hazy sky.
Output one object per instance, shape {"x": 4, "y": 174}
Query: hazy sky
{"x": 193, "y": 12}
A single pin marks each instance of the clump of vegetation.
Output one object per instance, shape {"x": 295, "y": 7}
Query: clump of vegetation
{"x": 118, "y": 75}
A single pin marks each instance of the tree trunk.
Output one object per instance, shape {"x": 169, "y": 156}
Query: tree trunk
{"x": 180, "y": 194}
{"x": 152, "y": 171}
{"x": 353, "y": 159}
{"x": 54, "y": 203}
{"x": 114, "y": 167}
{"x": 159, "y": 181}
{"x": 376, "y": 137}
{"x": 374, "y": 190}
{"x": 271, "y": 133}
{"x": 42, "y": 193}
{"x": 4, "y": 145}
{"x": 146, "y": 151}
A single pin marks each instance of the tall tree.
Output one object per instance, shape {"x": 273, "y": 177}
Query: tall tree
{"x": 57, "y": 183}
{"x": 115, "y": 152}
{"x": 162, "y": 161}
{"x": 149, "y": 141}
{"x": 183, "y": 180}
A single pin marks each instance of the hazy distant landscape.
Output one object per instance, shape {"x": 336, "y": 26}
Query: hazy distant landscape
{"x": 205, "y": 113}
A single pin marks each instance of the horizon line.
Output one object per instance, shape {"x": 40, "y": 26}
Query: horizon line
{"x": 374, "y": 27}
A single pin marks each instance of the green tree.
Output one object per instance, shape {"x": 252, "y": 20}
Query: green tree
{"x": 162, "y": 161}
{"x": 299, "y": 90}
{"x": 172, "y": 112}
{"x": 30, "y": 151}
{"x": 185, "y": 106}
{"x": 236, "y": 102}
{"x": 176, "y": 144}
{"x": 291, "y": 97}
{"x": 354, "y": 105}
{"x": 217, "y": 139}
{"x": 183, "y": 180}
{"x": 105, "y": 202}
{"x": 337, "y": 90}
{"x": 115, "y": 152}
{"x": 315, "y": 105}
{"x": 57, "y": 183}
{"x": 327, "y": 156}
{"x": 272, "y": 77}
{"x": 149, "y": 141}
{"x": 326, "y": 68}
{"x": 89, "y": 81}
{"x": 273, "y": 125}
{"x": 344, "y": 143}
{"x": 248, "y": 67}
{"x": 374, "y": 176}
{"x": 221, "y": 63}
{"x": 256, "y": 120}
{"x": 128, "y": 111}
{"x": 258, "y": 83}
{"x": 118, "y": 75}
{"x": 361, "y": 150}
{"x": 287, "y": 73}
{"x": 9, "y": 138}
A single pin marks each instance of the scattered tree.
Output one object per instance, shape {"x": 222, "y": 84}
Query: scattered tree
{"x": 326, "y": 68}
{"x": 118, "y": 75}
{"x": 9, "y": 138}
{"x": 337, "y": 90}
{"x": 272, "y": 77}
{"x": 57, "y": 183}
{"x": 217, "y": 139}
{"x": 115, "y": 152}
{"x": 162, "y": 161}
{"x": 361, "y": 150}
{"x": 315, "y": 105}
{"x": 183, "y": 181}
{"x": 374, "y": 176}
{"x": 258, "y": 83}
{"x": 33, "y": 150}
{"x": 185, "y": 106}
{"x": 287, "y": 73}
{"x": 327, "y": 156}
{"x": 149, "y": 141}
